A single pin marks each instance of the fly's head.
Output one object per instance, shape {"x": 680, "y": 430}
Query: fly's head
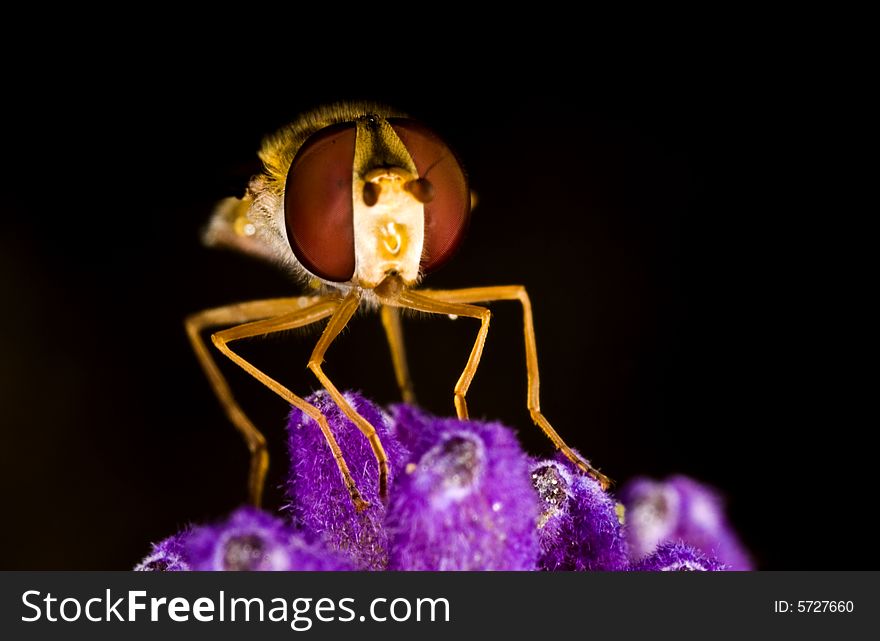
{"x": 353, "y": 195}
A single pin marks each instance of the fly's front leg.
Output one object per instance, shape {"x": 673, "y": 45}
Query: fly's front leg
{"x": 319, "y": 309}
{"x": 337, "y": 323}
{"x": 234, "y": 315}
{"x": 418, "y": 301}
{"x": 394, "y": 334}
{"x": 533, "y": 400}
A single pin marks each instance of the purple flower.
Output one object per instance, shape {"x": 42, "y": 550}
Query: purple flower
{"x": 167, "y": 556}
{"x": 578, "y": 526}
{"x": 462, "y": 496}
{"x": 678, "y": 557}
{"x": 319, "y": 499}
{"x": 680, "y": 509}
{"x": 465, "y": 502}
{"x": 254, "y": 540}
{"x": 414, "y": 427}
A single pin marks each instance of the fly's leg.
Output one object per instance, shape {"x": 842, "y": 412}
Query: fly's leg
{"x": 533, "y": 400}
{"x": 278, "y": 315}
{"x": 337, "y": 323}
{"x": 394, "y": 334}
{"x": 234, "y": 315}
{"x": 422, "y": 303}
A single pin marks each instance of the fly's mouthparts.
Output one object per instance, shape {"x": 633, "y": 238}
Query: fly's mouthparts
{"x": 391, "y": 285}
{"x": 392, "y": 239}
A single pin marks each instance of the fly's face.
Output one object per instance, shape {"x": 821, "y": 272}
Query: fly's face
{"x": 372, "y": 198}
{"x": 388, "y": 217}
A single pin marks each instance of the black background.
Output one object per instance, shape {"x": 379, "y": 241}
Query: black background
{"x": 654, "y": 209}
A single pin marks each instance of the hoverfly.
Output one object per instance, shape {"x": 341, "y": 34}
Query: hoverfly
{"x": 358, "y": 202}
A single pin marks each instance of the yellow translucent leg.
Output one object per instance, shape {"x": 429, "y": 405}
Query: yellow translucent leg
{"x": 234, "y": 315}
{"x": 422, "y": 303}
{"x": 533, "y": 401}
{"x": 278, "y": 315}
{"x": 394, "y": 334}
{"x": 337, "y": 323}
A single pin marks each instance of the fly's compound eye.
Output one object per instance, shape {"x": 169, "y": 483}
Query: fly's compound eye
{"x": 441, "y": 186}
{"x": 318, "y": 208}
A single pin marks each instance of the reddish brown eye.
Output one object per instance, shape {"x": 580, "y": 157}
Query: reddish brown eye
{"x": 448, "y": 207}
{"x": 318, "y": 206}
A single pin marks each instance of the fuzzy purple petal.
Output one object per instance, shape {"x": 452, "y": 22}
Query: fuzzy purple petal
{"x": 578, "y": 526}
{"x": 251, "y": 539}
{"x": 414, "y": 427}
{"x": 466, "y": 502}
{"x": 318, "y": 497}
{"x": 678, "y": 557}
{"x": 167, "y": 556}
{"x": 680, "y": 509}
